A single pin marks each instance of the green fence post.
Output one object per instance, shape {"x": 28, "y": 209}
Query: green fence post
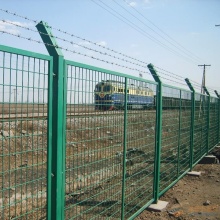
{"x": 192, "y": 122}
{"x": 56, "y": 199}
{"x": 158, "y": 132}
{"x": 208, "y": 118}
{"x": 218, "y": 114}
{"x": 179, "y": 134}
{"x": 124, "y": 151}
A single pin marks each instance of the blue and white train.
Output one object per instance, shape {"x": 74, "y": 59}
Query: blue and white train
{"x": 110, "y": 95}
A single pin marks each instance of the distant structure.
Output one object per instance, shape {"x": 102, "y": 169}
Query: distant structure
{"x": 203, "y": 78}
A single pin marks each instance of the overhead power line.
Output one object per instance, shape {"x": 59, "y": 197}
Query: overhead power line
{"x": 161, "y": 70}
{"x": 177, "y": 43}
{"x": 140, "y": 30}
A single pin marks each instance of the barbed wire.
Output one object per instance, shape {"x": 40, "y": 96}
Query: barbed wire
{"x": 167, "y": 73}
{"x": 72, "y": 51}
{"x": 17, "y": 15}
{"x": 78, "y": 53}
{"x": 72, "y": 43}
{"x": 92, "y": 57}
{"x": 29, "y": 29}
{"x": 73, "y": 35}
{"x": 196, "y": 84}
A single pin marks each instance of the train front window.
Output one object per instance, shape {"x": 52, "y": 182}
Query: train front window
{"x": 98, "y": 88}
{"x": 107, "y": 89}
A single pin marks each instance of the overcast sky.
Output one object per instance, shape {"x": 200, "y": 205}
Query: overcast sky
{"x": 174, "y": 35}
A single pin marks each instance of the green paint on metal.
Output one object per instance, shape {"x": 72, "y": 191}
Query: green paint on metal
{"x": 98, "y": 69}
{"x": 208, "y": 119}
{"x": 218, "y": 115}
{"x": 17, "y": 51}
{"x": 58, "y": 156}
{"x": 124, "y": 152}
{"x": 158, "y": 131}
{"x": 192, "y": 122}
{"x": 179, "y": 133}
{"x": 24, "y": 147}
{"x": 175, "y": 87}
{"x": 49, "y": 139}
{"x": 48, "y": 39}
{"x": 173, "y": 183}
{"x": 89, "y": 153}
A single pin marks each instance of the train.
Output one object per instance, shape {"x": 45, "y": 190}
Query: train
{"x": 110, "y": 95}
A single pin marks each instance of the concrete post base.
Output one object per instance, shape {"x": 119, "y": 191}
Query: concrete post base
{"x": 159, "y": 207}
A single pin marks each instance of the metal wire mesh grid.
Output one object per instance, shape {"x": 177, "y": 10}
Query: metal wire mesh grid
{"x": 23, "y": 151}
{"x": 214, "y": 111}
{"x": 184, "y": 131}
{"x": 176, "y": 117}
{"x": 141, "y": 127}
{"x": 200, "y": 127}
{"x": 100, "y": 131}
{"x": 111, "y": 127}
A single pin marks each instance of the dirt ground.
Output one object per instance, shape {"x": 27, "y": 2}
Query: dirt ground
{"x": 192, "y": 198}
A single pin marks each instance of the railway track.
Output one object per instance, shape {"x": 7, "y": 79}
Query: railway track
{"x": 13, "y": 116}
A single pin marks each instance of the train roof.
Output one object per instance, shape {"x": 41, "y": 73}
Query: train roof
{"x": 118, "y": 84}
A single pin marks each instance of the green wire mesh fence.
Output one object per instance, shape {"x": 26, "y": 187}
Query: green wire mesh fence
{"x": 110, "y": 154}
{"x": 176, "y": 117}
{"x": 23, "y": 151}
{"x": 200, "y": 127}
{"x": 107, "y": 163}
{"x": 214, "y": 112}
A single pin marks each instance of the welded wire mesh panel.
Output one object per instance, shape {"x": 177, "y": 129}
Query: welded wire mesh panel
{"x": 213, "y": 129}
{"x": 170, "y": 136}
{"x": 140, "y": 154}
{"x": 23, "y": 136}
{"x": 200, "y": 127}
{"x": 94, "y": 144}
{"x": 184, "y": 135}
{"x": 101, "y": 129}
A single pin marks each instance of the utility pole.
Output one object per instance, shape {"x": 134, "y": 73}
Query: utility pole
{"x": 203, "y": 78}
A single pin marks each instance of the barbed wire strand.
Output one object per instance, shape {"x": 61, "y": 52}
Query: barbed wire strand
{"x": 72, "y": 43}
{"x": 72, "y": 35}
{"x": 104, "y": 47}
{"x": 92, "y": 57}
{"x": 29, "y": 29}
{"x": 72, "y": 51}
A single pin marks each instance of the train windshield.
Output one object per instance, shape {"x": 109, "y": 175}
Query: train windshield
{"x": 107, "y": 89}
{"x": 98, "y": 88}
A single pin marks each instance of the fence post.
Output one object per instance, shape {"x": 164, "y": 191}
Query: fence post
{"x": 192, "y": 121}
{"x": 55, "y": 198}
{"x": 218, "y": 114}
{"x": 179, "y": 134}
{"x": 208, "y": 118}
{"x": 158, "y": 132}
{"x": 124, "y": 150}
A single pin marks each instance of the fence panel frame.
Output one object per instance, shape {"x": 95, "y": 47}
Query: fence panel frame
{"x": 57, "y": 100}
{"x": 48, "y": 58}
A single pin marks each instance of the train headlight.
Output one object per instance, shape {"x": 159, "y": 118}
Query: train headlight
{"x": 102, "y": 95}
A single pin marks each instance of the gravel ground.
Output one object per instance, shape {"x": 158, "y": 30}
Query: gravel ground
{"x": 192, "y": 198}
